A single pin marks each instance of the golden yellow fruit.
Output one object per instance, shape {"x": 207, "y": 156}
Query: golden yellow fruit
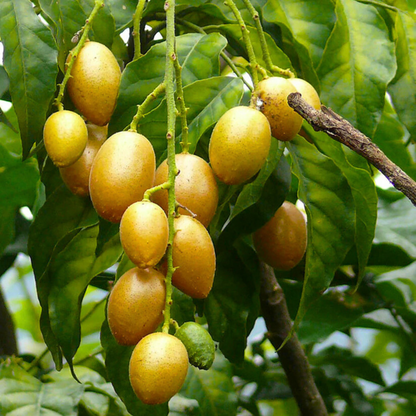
{"x": 77, "y": 176}
{"x": 308, "y": 92}
{"x": 65, "y": 137}
{"x": 284, "y": 121}
{"x": 94, "y": 83}
{"x": 123, "y": 170}
{"x": 144, "y": 233}
{"x": 239, "y": 145}
{"x": 158, "y": 368}
{"x": 194, "y": 255}
{"x": 136, "y": 304}
{"x": 195, "y": 187}
{"x": 282, "y": 241}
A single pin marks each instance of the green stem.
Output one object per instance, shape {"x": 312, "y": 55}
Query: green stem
{"x": 223, "y": 55}
{"x": 249, "y": 46}
{"x": 182, "y": 107}
{"x": 93, "y": 309}
{"x": 147, "y": 195}
{"x": 137, "y": 17}
{"x": 170, "y": 136}
{"x": 73, "y": 55}
{"x": 37, "y": 360}
{"x": 93, "y": 354}
{"x": 141, "y": 109}
{"x": 265, "y": 49}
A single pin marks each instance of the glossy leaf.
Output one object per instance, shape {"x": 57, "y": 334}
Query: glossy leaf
{"x": 30, "y": 61}
{"x": 198, "y": 56}
{"x": 4, "y": 81}
{"x": 322, "y": 187}
{"x": 357, "y": 65}
{"x": 117, "y": 358}
{"x": 122, "y": 12}
{"x": 21, "y": 393}
{"x": 402, "y": 88}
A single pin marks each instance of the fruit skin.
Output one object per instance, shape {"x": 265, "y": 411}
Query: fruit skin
{"x": 123, "y": 170}
{"x": 282, "y": 241}
{"x": 77, "y": 176}
{"x": 198, "y": 343}
{"x": 239, "y": 144}
{"x": 195, "y": 187}
{"x": 158, "y": 368}
{"x": 65, "y": 137}
{"x": 136, "y": 304}
{"x": 94, "y": 83}
{"x": 284, "y": 121}
{"x": 308, "y": 92}
{"x": 144, "y": 233}
{"x": 194, "y": 255}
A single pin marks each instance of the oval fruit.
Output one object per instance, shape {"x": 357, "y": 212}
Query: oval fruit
{"x": 282, "y": 241}
{"x": 136, "y": 304}
{"x": 158, "y": 368}
{"x": 77, "y": 176}
{"x": 94, "y": 82}
{"x": 65, "y": 137}
{"x": 194, "y": 257}
{"x": 308, "y": 92}
{"x": 144, "y": 233}
{"x": 239, "y": 144}
{"x": 198, "y": 343}
{"x": 123, "y": 170}
{"x": 284, "y": 121}
{"x": 195, "y": 187}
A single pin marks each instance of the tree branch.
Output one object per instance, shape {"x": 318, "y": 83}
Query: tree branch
{"x": 292, "y": 356}
{"x": 8, "y": 344}
{"x": 342, "y": 131}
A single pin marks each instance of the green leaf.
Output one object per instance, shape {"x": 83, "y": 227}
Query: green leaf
{"x": 357, "y": 65}
{"x": 322, "y": 187}
{"x": 20, "y": 393}
{"x": 122, "y": 12}
{"x": 198, "y": 55}
{"x": 7, "y": 232}
{"x": 213, "y": 389}
{"x": 402, "y": 89}
{"x": 404, "y": 388}
{"x": 4, "y": 81}
{"x": 117, "y": 358}
{"x": 30, "y": 61}
{"x": 71, "y": 270}
{"x": 183, "y": 308}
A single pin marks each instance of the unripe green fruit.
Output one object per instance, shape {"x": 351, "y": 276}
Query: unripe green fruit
{"x": 94, "y": 82}
{"x": 198, "y": 343}
{"x": 284, "y": 121}
{"x": 158, "y": 368}
{"x": 144, "y": 233}
{"x": 65, "y": 136}
{"x": 136, "y": 304}
{"x": 239, "y": 145}
{"x": 308, "y": 92}
{"x": 282, "y": 241}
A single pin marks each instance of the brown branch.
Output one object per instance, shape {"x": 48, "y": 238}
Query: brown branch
{"x": 8, "y": 344}
{"x": 342, "y": 131}
{"x": 292, "y": 356}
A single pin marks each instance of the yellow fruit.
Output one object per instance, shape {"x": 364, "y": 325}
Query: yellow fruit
{"x": 194, "y": 255}
{"x": 94, "y": 83}
{"x": 281, "y": 242}
{"x": 308, "y": 92}
{"x": 77, "y": 176}
{"x": 123, "y": 170}
{"x": 284, "y": 121}
{"x": 136, "y": 304}
{"x": 158, "y": 368}
{"x": 239, "y": 145}
{"x": 195, "y": 187}
{"x": 65, "y": 137}
{"x": 144, "y": 233}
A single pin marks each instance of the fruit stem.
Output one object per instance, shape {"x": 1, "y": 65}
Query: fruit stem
{"x": 137, "y": 17}
{"x": 182, "y": 107}
{"x": 223, "y": 55}
{"x": 264, "y": 48}
{"x": 249, "y": 46}
{"x": 141, "y": 108}
{"x": 174, "y": 324}
{"x": 85, "y": 29}
{"x": 151, "y": 191}
{"x": 170, "y": 136}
